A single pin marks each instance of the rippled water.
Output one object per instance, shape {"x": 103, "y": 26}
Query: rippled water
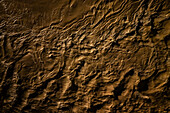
{"x": 64, "y": 56}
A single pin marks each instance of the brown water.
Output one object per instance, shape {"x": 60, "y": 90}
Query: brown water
{"x": 78, "y": 56}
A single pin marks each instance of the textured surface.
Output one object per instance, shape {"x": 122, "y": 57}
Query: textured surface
{"x": 84, "y": 56}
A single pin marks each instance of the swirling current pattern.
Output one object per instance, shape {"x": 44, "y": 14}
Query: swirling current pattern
{"x": 84, "y": 56}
